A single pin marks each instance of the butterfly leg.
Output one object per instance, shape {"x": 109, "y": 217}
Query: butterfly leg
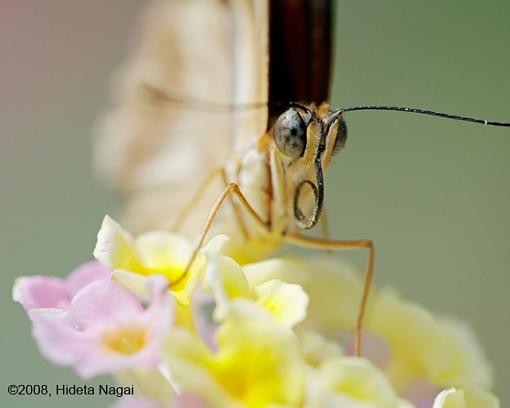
{"x": 195, "y": 198}
{"x": 231, "y": 188}
{"x": 188, "y": 209}
{"x": 318, "y": 243}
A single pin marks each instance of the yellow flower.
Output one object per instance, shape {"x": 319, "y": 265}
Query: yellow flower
{"x": 443, "y": 351}
{"x": 316, "y": 349}
{"x": 408, "y": 342}
{"x": 147, "y": 382}
{"x": 227, "y": 280}
{"x": 465, "y": 398}
{"x": 257, "y": 308}
{"x": 351, "y": 383}
{"x": 334, "y": 288}
{"x": 258, "y": 363}
{"x": 157, "y": 252}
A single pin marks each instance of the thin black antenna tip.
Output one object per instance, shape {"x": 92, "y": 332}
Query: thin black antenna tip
{"x": 422, "y": 112}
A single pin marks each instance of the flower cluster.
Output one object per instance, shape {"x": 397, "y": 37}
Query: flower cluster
{"x": 276, "y": 333}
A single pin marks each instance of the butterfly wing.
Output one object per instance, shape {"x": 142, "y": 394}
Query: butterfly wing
{"x": 156, "y": 152}
{"x": 300, "y": 64}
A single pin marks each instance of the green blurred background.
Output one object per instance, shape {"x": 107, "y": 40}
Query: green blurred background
{"x": 433, "y": 194}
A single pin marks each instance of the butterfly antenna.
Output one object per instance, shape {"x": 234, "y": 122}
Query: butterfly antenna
{"x": 422, "y": 112}
{"x": 192, "y": 103}
{"x": 201, "y": 104}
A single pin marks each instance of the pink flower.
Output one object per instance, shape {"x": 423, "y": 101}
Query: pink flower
{"x": 131, "y": 402}
{"x": 52, "y": 292}
{"x": 202, "y": 309}
{"x": 106, "y": 328}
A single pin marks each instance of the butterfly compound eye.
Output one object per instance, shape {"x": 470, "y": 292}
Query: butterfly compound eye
{"x": 290, "y": 134}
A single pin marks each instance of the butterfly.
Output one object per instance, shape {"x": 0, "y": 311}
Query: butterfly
{"x": 221, "y": 124}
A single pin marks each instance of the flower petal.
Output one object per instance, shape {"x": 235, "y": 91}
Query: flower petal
{"x": 316, "y": 348}
{"x": 468, "y": 397}
{"x": 58, "y": 341}
{"x": 188, "y": 400}
{"x": 52, "y": 292}
{"x": 354, "y": 381}
{"x": 41, "y": 292}
{"x": 87, "y": 273}
{"x": 258, "y": 362}
{"x": 286, "y": 301}
{"x": 202, "y": 307}
{"x": 471, "y": 362}
{"x": 139, "y": 402}
{"x": 226, "y": 280}
{"x": 147, "y": 382}
{"x": 331, "y": 286}
{"x": 161, "y": 252}
{"x": 103, "y": 301}
{"x": 188, "y": 361}
{"x": 135, "y": 336}
{"x": 424, "y": 346}
{"x": 161, "y": 311}
{"x": 135, "y": 282}
{"x": 450, "y": 398}
{"x": 259, "y": 356}
{"x": 115, "y": 247}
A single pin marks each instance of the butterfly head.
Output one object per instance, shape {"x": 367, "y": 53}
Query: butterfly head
{"x": 308, "y": 138}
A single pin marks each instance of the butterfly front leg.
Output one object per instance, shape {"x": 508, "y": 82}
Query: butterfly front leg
{"x": 329, "y": 244}
{"x": 230, "y": 189}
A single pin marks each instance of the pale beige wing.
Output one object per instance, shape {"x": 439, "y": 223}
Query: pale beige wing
{"x": 251, "y": 65}
{"x": 157, "y": 152}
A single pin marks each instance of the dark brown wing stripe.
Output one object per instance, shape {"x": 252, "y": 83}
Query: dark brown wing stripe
{"x": 300, "y": 51}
